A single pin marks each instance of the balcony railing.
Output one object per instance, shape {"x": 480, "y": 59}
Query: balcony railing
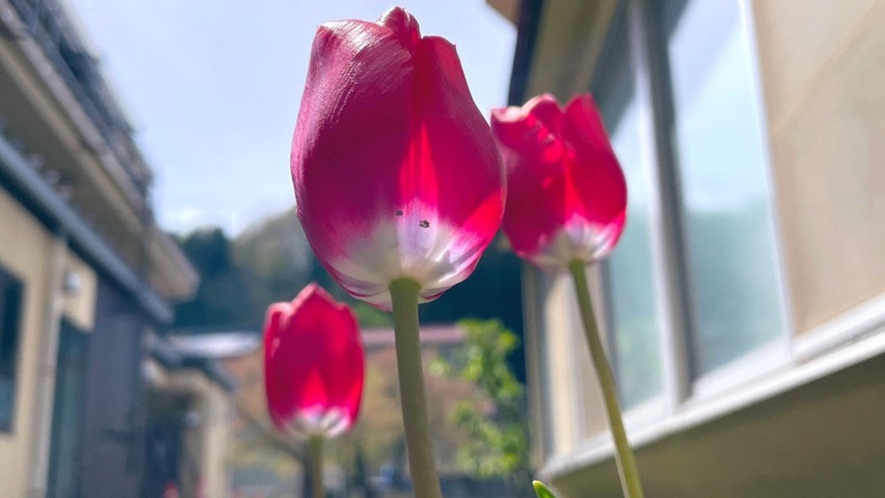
{"x": 51, "y": 29}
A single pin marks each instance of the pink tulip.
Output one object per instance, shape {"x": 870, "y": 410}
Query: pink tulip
{"x": 395, "y": 171}
{"x": 567, "y": 196}
{"x": 314, "y": 364}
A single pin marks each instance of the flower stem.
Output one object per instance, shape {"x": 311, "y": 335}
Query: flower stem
{"x": 316, "y": 466}
{"x": 404, "y": 294}
{"x": 624, "y": 455}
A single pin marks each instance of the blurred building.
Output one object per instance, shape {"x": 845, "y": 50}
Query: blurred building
{"x": 86, "y": 277}
{"x": 744, "y": 307}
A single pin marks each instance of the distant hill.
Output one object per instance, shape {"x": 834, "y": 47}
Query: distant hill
{"x": 275, "y": 257}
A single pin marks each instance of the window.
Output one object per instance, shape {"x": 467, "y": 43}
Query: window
{"x": 732, "y": 272}
{"x": 719, "y": 255}
{"x": 11, "y": 297}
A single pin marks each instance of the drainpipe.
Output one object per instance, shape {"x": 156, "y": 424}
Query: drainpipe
{"x": 46, "y": 369}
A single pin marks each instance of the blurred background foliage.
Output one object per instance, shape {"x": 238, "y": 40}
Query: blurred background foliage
{"x": 493, "y": 417}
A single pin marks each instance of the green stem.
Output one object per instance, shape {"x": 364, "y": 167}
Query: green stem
{"x": 316, "y": 467}
{"x": 404, "y": 293}
{"x": 624, "y": 455}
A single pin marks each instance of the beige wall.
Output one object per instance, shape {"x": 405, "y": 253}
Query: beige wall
{"x": 24, "y": 251}
{"x": 823, "y": 74}
{"x": 215, "y": 414}
{"x": 593, "y": 419}
{"x": 559, "y": 327}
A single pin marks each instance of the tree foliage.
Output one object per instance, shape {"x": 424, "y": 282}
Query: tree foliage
{"x": 219, "y": 300}
{"x": 494, "y": 418}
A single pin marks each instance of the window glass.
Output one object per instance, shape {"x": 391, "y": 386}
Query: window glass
{"x": 734, "y": 284}
{"x": 629, "y": 271}
{"x": 11, "y": 295}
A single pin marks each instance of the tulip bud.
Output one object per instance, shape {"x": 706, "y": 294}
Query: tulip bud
{"x": 314, "y": 365}
{"x": 567, "y": 196}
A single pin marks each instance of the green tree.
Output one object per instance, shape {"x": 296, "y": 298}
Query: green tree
{"x": 494, "y": 418}
{"x": 219, "y": 300}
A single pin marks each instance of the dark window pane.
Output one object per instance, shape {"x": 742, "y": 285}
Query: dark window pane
{"x": 11, "y": 297}
{"x": 67, "y": 417}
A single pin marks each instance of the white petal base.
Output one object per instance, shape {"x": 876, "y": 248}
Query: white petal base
{"x": 578, "y": 240}
{"x": 319, "y": 421}
{"x": 411, "y": 243}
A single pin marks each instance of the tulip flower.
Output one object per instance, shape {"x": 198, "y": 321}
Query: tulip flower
{"x": 314, "y": 368}
{"x": 566, "y": 208}
{"x": 314, "y": 364}
{"x": 395, "y": 170}
{"x": 398, "y": 183}
{"x": 567, "y": 196}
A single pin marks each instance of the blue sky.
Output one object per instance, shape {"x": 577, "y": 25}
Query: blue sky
{"x": 212, "y": 88}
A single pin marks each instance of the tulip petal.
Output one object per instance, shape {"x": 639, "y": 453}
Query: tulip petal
{"x": 352, "y": 130}
{"x": 597, "y": 165}
{"x": 537, "y": 183}
{"x": 454, "y": 170}
{"x": 403, "y": 25}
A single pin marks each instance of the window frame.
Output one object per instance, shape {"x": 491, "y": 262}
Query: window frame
{"x": 621, "y": 28}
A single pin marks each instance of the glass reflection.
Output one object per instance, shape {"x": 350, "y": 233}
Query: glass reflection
{"x": 733, "y": 275}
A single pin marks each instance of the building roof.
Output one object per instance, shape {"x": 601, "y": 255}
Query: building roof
{"x": 219, "y": 345}
{"x": 204, "y": 352}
